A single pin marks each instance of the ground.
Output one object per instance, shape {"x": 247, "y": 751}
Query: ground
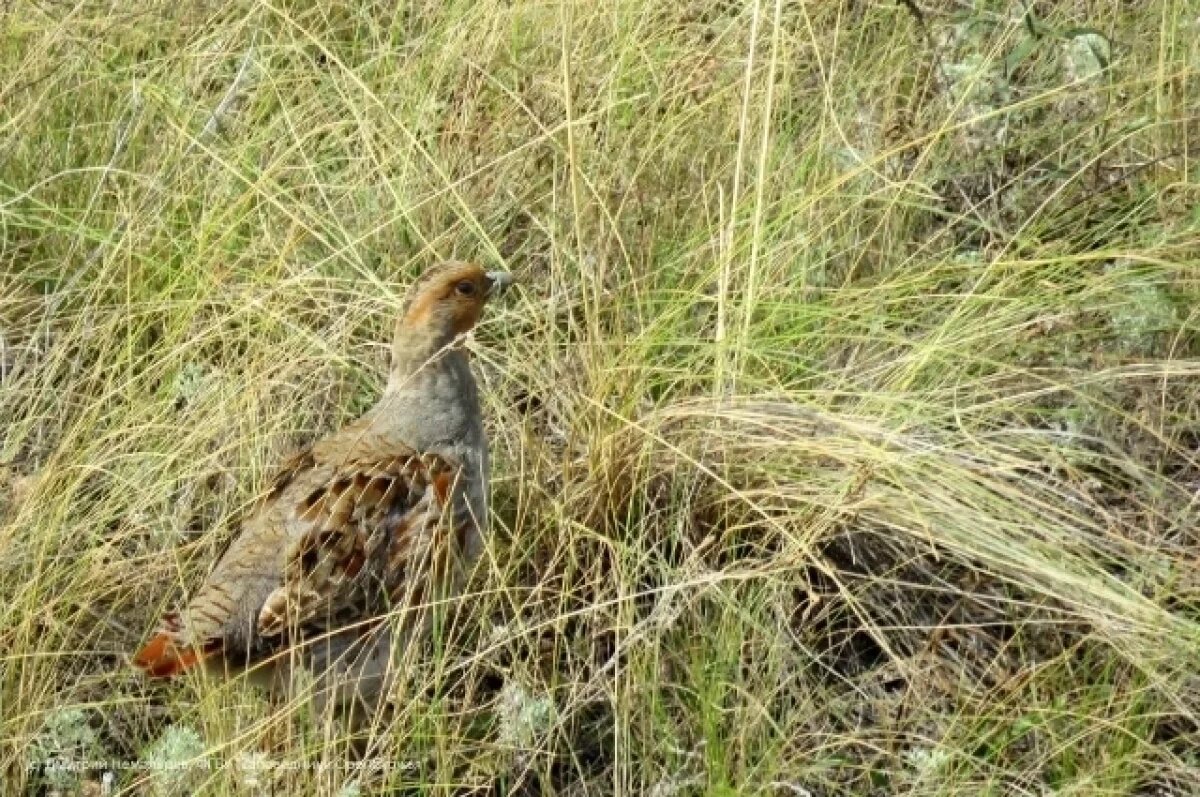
{"x": 845, "y": 424}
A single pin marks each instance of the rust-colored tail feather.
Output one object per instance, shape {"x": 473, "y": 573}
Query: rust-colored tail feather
{"x": 162, "y": 658}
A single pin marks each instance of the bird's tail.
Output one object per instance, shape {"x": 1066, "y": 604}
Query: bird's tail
{"x": 165, "y": 655}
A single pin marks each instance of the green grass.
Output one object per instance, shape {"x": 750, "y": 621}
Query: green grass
{"x": 845, "y": 425}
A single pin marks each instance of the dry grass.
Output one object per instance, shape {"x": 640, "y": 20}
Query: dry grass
{"x": 845, "y": 427}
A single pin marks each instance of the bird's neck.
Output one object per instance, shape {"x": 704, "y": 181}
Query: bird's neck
{"x": 417, "y": 353}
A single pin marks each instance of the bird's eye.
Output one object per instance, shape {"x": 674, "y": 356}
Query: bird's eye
{"x": 465, "y": 288}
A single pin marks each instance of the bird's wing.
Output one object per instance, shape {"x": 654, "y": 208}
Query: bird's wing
{"x": 350, "y": 515}
{"x": 353, "y": 540}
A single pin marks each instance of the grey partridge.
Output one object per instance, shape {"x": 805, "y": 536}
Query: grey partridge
{"x": 381, "y": 515}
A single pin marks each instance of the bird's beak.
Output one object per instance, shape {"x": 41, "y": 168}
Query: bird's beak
{"x": 498, "y": 281}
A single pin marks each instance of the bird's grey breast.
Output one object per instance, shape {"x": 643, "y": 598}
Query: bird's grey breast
{"x": 437, "y": 408}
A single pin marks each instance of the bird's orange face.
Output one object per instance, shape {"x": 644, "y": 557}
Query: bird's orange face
{"x": 449, "y": 298}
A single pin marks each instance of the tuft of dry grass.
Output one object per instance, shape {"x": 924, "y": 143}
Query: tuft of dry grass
{"x": 845, "y": 426}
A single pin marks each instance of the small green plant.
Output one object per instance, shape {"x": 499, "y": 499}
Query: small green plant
{"x": 65, "y": 750}
{"x": 177, "y": 762}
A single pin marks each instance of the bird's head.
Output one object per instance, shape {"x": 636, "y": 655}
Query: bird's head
{"x": 444, "y": 304}
{"x": 447, "y": 301}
